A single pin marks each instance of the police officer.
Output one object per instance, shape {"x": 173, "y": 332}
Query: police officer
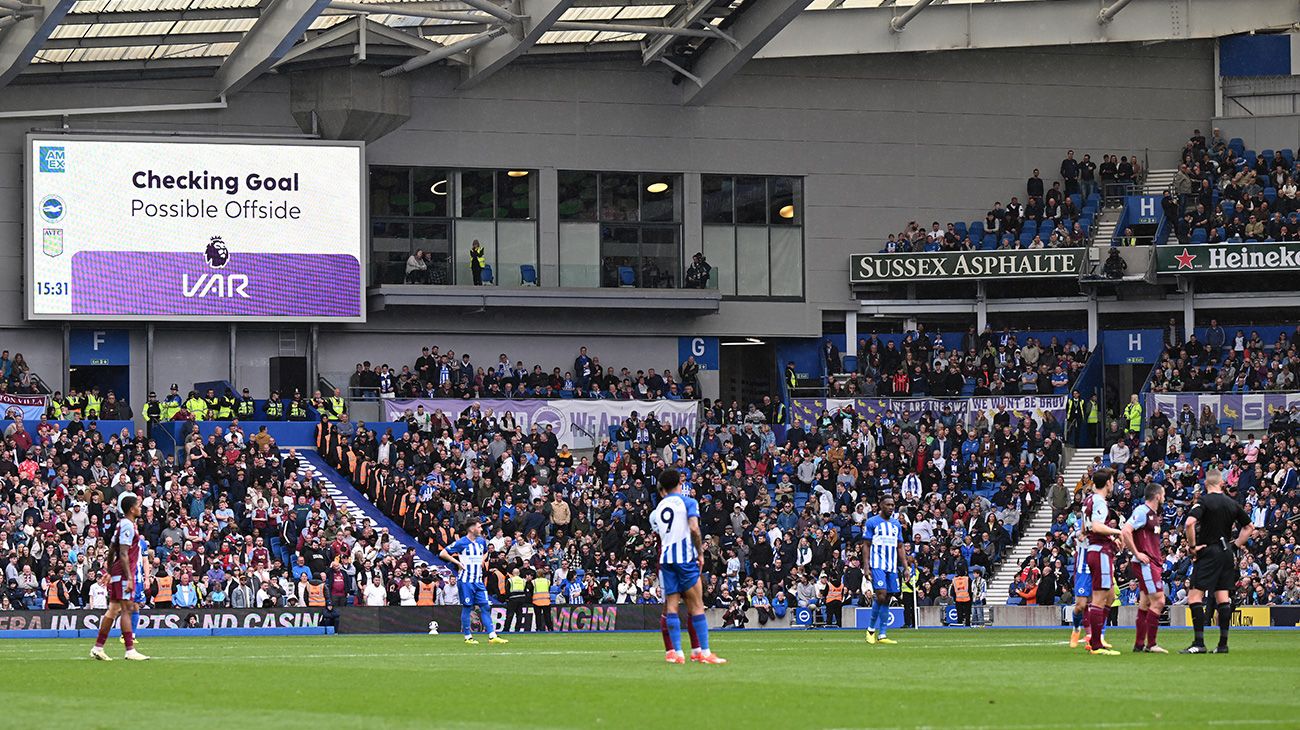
{"x": 318, "y": 402}
{"x": 172, "y": 403}
{"x": 197, "y": 406}
{"x": 274, "y": 407}
{"x": 1216, "y": 525}
{"x": 245, "y": 407}
{"x": 297, "y": 408}
{"x": 516, "y": 600}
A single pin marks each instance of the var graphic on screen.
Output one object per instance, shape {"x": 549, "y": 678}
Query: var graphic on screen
{"x": 139, "y": 228}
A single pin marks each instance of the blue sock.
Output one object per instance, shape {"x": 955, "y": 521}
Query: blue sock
{"x": 701, "y": 630}
{"x": 882, "y": 623}
{"x": 675, "y": 630}
{"x": 135, "y": 622}
{"x": 466, "y": 619}
{"x": 1078, "y": 618}
{"x": 485, "y": 613}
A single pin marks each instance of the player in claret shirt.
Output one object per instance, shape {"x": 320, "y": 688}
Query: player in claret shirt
{"x": 1141, "y": 535}
{"x": 1102, "y": 541}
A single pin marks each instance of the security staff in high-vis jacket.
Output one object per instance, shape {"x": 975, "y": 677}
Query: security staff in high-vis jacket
{"x": 274, "y": 407}
{"x": 226, "y": 405}
{"x": 1133, "y": 414}
{"x": 245, "y": 407}
{"x": 197, "y": 407}
{"x": 516, "y": 599}
{"x": 1076, "y": 418}
{"x": 910, "y": 578}
{"x": 336, "y": 405}
{"x": 93, "y": 403}
{"x": 540, "y": 586}
{"x": 318, "y": 402}
{"x": 297, "y": 408}
{"x": 791, "y": 378}
{"x": 212, "y": 405}
{"x": 152, "y": 409}
{"x": 57, "y": 407}
{"x": 74, "y": 403}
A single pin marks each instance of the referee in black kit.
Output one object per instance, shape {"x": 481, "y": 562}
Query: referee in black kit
{"x": 1215, "y": 526}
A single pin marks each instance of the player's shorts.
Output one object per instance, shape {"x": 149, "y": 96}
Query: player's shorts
{"x": 1083, "y": 585}
{"x": 115, "y": 589}
{"x": 1214, "y": 569}
{"x": 138, "y": 595}
{"x": 678, "y": 577}
{"x": 884, "y": 580}
{"x": 472, "y": 594}
{"x": 1149, "y": 577}
{"x": 1102, "y": 567}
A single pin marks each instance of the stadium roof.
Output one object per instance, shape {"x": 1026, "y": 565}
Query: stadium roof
{"x": 704, "y": 41}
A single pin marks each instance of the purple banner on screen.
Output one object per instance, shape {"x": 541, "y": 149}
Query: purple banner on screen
{"x": 185, "y": 284}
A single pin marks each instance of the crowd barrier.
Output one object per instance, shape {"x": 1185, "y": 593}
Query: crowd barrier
{"x": 108, "y": 428}
{"x": 286, "y": 433}
{"x": 805, "y": 411}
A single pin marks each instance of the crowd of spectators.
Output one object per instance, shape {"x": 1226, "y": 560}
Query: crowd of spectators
{"x": 1224, "y": 362}
{"x": 781, "y": 521}
{"x": 231, "y": 524}
{"x": 446, "y": 374}
{"x": 982, "y": 364}
{"x": 1224, "y": 193}
{"x": 1058, "y": 215}
{"x": 16, "y": 375}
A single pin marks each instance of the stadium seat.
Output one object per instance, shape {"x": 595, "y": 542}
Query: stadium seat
{"x": 626, "y": 276}
{"x": 1199, "y": 236}
{"x": 487, "y": 274}
{"x": 1030, "y": 227}
{"x": 1077, "y": 199}
{"x": 960, "y": 228}
{"x": 990, "y": 242}
{"x": 1223, "y": 233}
{"x": 1227, "y": 207}
{"x": 528, "y": 274}
{"x": 1270, "y": 194}
{"x": 1237, "y": 145}
{"x": 1288, "y": 154}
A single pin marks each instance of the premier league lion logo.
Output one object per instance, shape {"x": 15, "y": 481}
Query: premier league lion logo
{"x": 216, "y": 253}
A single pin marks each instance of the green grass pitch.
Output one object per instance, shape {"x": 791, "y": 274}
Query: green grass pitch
{"x": 778, "y": 679}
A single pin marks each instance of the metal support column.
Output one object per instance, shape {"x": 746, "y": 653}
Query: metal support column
{"x": 313, "y": 375}
{"x": 148, "y": 359}
{"x": 851, "y": 332}
{"x": 67, "y": 356}
{"x": 981, "y": 305}
{"x": 1094, "y": 323}
{"x": 234, "y": 340}
{"x": 1189, "y": 308}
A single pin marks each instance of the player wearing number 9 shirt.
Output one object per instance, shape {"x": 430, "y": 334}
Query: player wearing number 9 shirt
{"x": 676, "y": 519}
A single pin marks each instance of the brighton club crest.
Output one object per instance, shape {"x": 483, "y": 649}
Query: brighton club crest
{"x": 52, "y": 241}
{"x": 216, "y": 253}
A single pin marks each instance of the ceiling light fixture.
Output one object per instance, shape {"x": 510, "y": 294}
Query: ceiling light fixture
{"x": 439, "y": 188}
{"x": 656, "y": 187}
{"x": 517, "y": 173}
{"x": 786, "y": 211}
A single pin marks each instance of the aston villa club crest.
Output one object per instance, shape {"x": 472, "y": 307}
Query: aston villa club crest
{"x": 216, "y": 253}
{"x": 52, "y": 241}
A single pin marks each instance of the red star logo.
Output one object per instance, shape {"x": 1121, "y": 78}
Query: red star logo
{"x": 1185, "y": 260}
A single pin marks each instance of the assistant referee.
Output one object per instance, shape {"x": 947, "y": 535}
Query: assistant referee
{"x": 1215, "y": 525}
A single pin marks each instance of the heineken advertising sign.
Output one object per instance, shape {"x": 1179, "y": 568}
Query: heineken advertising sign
{"x": 874, "y": 268}
{"x": 1226, "y": 258}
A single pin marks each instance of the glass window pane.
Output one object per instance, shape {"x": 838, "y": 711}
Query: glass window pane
{"x": 751, "y": 200}
{"x": 516, "y": 194}
{"x": 787, "y": 261}
{"x": 751, "y": 261}
{"x": 433, "y": 238}
{"x": 476, "y": 198}
{"x": 620, "y": 197}
{"x": 720, "y": 252}
{"x": 577, "y": 196}
{"x": 467, "y": 232}
{"x": 390, "y": 246}
{"x": 786, "y": 206}
{"x": 660, "y": 257}
{"x": 390, "y": 191}
{"x": 661, "y": 198}
{"x": 620, "y": 256}
{"x": 430, "y": 188}
{"x": 516, "y": 246}
{"x": 717, "y": 192}
{"x": 580, "y": 255}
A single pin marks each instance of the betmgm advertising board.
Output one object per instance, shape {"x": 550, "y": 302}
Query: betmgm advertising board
{"x": 192, "y": 229}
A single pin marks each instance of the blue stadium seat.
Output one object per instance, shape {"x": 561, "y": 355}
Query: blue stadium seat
{"x": 1270, "y": 194}
{"x": 989, "y": 243}
{"x": 1026, "y": 238}
{"x": 1199, "y": 236}
{"x": 626, "y": 276}
{"x": 1223, "y": 233}
{"x": 1030, "y": 227}
{"x": 528, "y": 274}
{"x": 1288, "y": 154}
{"x": 1237, "y": 145}
{"x": 1227, "y": 206}
{"x": 1086, "y": 225}
{"x": 487, "y": 274}
{"x": 1077, "y": 199}
{"x": 977, "y": 230}
{"x": 1268, "y": 156}
{"x": 960, "y": 228}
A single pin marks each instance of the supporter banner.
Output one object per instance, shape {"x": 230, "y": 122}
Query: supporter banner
{"x": 1245, "y": 616}
{"x": 874, "y": 268}
{"x": 579, "y": 423}
{"x": 23, "y": 407}
{"x": 352, "y": 619}
{"x": 805, "y": 411}
{"x": 1227, "y": 258}
{"x": 1247, "y": 411}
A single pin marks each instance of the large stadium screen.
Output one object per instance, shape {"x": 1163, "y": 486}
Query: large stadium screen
{"x": 137, "y": 228}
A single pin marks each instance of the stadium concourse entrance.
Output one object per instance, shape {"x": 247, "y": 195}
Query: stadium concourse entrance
{"x": 100, "y": 358}
{"x": 747, "y": 368}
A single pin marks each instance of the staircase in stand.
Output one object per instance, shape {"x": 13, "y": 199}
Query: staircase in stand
{"x": 1158, "y": 181}
{"x": 1039, "y": 524}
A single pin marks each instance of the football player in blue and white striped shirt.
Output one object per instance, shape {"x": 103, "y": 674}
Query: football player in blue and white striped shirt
{"x": 676, "y": 520}
{"x": 469, "y": 555}
{"x": 883, "y": 544}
